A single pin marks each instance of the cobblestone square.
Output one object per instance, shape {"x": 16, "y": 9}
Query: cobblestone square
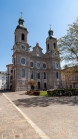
{"x": 57, "y": 117}
{"x": 12, "y": 123}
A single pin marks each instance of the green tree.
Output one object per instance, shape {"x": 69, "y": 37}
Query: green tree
{"x": 32, "y": 83}
{"x": 68, "y": 45}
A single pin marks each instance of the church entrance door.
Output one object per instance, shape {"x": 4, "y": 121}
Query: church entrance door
{"x": 44, "y": 85}
{"x": 38, "y": 85}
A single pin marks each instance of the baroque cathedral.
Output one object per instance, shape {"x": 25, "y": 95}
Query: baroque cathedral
{"x": 34, "y": 65}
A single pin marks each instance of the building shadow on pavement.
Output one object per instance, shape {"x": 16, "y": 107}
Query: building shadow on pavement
{"x": 6, "y": 91}
{"x": 46, "y": 101}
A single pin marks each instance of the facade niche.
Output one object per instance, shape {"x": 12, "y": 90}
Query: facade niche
{"x": 31, "y": 64}
{"x": 44, "y": 65}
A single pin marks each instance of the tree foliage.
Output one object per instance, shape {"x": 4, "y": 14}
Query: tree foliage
{"x": 32, "y": 83}
{"x": 68, "y": 45}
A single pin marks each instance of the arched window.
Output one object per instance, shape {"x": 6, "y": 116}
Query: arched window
{"x": 47, "y": 47}
{"x": 23, "y": 73}
{"x": 44, "y": 75}
{"x": 31, "y": 74}
{"x": 54, "y": 45}
{"x": 38, "y": 75}
{"x": 56, "y": 65}
{"x": 22, "y": 61}
{"x": 22, "y": 37}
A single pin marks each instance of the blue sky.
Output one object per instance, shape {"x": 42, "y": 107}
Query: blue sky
{"x": 38, "y": 15}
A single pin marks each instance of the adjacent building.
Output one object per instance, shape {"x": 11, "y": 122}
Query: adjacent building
{"x": 2, "y": 80}
{"x": 9, "y": 76}
{"x": 70, "y": 81}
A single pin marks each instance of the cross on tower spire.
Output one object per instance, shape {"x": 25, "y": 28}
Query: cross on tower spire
{"x": 21, "y": 20}
{"x": 50, "y": 26}
{"x": 21, "y": 13}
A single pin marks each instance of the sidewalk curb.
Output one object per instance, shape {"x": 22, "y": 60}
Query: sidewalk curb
{"x": 37, "y": 129}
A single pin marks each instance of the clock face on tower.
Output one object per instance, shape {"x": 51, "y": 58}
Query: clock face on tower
{"x": 23, "y": 47}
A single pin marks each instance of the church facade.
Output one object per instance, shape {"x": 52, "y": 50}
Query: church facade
{"x": 34, "y": 65}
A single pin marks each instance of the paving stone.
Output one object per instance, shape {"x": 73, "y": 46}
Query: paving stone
{"x": 5, "y": 135}
{"x": 29, "y": 137}
{"x": 10, "y": 137}
{"x": 57, "y": 117}
{"x": 13, "y": 125}
{"x": 2, "y": 131}
{"x": 11, "y": 133}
